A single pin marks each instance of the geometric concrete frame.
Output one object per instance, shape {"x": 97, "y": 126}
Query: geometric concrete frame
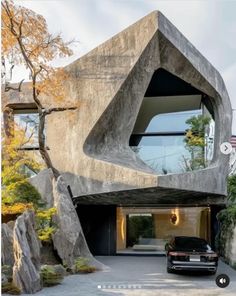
{"x": 91, "y": 144}
{"x": 110, "y": 82}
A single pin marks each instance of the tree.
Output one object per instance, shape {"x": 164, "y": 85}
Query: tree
{"x": 232, "y": 189}
{"x": 26, "y": 40}
{"x": 16, "y": 164}
{"x": 195, "y": 142}
{"x": 18, "y": 194}
{"x": 227, "y": 222}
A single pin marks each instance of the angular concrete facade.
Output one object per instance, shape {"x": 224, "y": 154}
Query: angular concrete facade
{"x": 110, "y": 83}
{"x": 91, "y": 144}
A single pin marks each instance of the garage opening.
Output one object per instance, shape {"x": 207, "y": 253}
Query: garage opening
{"x": 147, "y": 230}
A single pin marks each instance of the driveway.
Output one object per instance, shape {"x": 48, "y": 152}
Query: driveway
{"x": 141, "y": 276}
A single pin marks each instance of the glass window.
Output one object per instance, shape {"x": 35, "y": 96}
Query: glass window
{"x": 149, "y": 229}
{"x": 189, "y": 243}
{"x": 171, "y": 122}
{"x": 140, "y": 227}
{"x": 29, "y": 122}
{"x": 164, "y": 154}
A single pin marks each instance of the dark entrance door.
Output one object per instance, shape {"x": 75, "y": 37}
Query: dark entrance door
{"x": 99, "y": 225}
{"x": 215, "y": 209}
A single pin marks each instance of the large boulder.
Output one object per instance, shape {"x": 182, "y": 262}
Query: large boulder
{"x": 48, "y": 254}
{"x": 43, "y": 183}
{"x": 69, "y": 240}
{"x": 7, "y": 245}
{"x": 26, "y": 247}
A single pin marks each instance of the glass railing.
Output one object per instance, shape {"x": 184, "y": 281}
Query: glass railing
{"x": 168, "y": 154}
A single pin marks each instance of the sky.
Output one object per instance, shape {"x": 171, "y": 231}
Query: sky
{"x": 210, "y": 25}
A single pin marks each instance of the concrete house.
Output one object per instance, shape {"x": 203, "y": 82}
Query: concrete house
{"x": 122, "y": 151}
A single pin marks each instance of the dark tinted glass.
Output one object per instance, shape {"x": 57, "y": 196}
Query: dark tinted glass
{"x": 191, "y": 243}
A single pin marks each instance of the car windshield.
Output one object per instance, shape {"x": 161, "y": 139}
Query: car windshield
{"x": 191, "y": 243}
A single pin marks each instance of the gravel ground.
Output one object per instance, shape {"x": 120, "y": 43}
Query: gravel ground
{"x": 141, "y": 276}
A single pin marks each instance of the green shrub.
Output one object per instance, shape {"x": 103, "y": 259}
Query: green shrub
{"x": 195, "y": 142}
{"x": 50, "y": 277}
{"x": 227, "y": 219}
{"x": 82, "y": 266}
{"x": 232, "y": 189}
{"x": 10, "y": 288}
{"x": 45, "y": 225}
{"x": 7, "y": 270}
{"x": 16, "y": 164}
{"x": 20, "y": 190}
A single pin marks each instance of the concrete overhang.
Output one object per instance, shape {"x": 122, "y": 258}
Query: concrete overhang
{"x": 151, "y": 197}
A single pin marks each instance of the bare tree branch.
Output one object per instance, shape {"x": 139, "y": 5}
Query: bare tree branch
{"x": 59, "y": 109}
{"x": 18, "y": 88}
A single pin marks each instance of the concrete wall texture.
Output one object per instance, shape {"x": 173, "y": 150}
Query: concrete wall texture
{"x": 91, "y": 144}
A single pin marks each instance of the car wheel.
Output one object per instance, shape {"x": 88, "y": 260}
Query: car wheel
{"x": 169, "y": 270}
{"x": 212, "y": 272}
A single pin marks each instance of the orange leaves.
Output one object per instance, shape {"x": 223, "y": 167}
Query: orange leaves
{"x": 26, "y": 39}
{"x": 12, "y": 156}
{"x": 51, "y": 84}
{"x": 39, "y": 45}
{"x": 8, "y": 40}
{"x": 16, "y": 208}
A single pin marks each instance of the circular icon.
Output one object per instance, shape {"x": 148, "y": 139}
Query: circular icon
{"x": 222, "y": 280}
{"x": 226, "y": 148}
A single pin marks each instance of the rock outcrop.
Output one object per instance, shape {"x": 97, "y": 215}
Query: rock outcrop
{"x": 43, "y": 183}
{"x": 26, "y": 247}
{"x": 69, "y": 240}
{"x": 7, "y": 245}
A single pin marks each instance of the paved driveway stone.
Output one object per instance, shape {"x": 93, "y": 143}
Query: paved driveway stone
{"x": 141, "y": 276}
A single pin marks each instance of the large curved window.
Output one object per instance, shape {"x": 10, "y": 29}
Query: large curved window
{"x": 164, "y": 124}
{"x": 162, "y": 145}
{"x": 167, "y": 122}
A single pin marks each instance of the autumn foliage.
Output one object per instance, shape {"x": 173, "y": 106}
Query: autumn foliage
{"x": 15, "y": 164}
{"x": 26, "y": 40}
{"x": 16, "y": 208}
{"x": 45, "y": 225}
{"x": 18, "y": 195}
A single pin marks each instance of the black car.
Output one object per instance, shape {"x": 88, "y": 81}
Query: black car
{"x": 190, "y": 253}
